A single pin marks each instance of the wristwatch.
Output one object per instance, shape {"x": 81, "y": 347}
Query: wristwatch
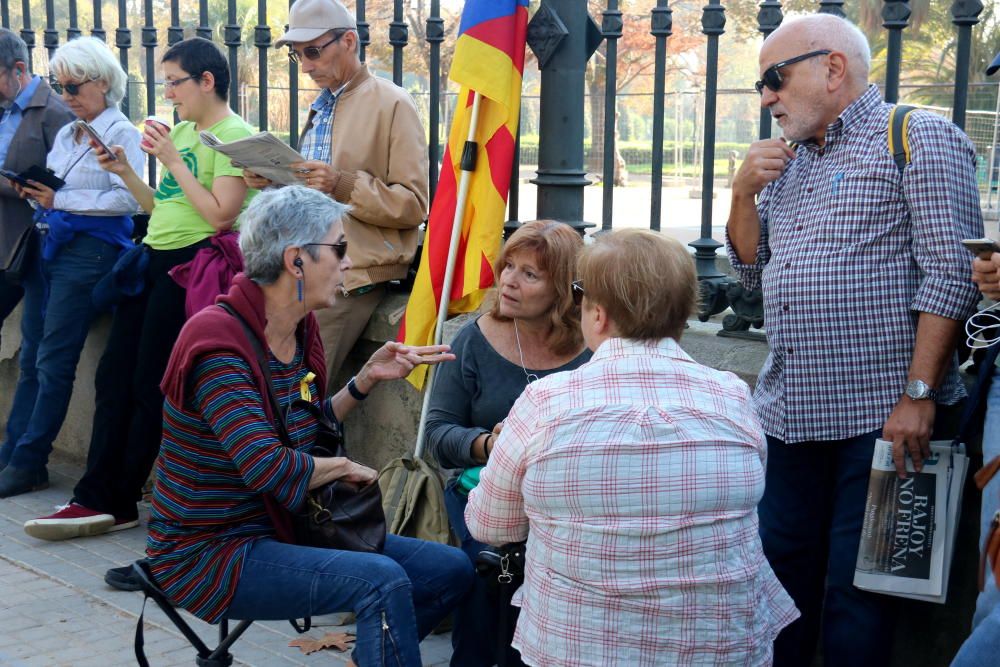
{"x": 919, "y": 390}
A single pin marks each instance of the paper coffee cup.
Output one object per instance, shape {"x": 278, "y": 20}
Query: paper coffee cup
{"x": 153, "y": 120}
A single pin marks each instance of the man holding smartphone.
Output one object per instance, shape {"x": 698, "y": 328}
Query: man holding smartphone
{"x": 826, "y": 223}
{"x": 32, "y": 116}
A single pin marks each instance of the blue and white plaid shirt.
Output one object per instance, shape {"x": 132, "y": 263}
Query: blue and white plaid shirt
{"x": 317, "y": 144}
{"x": 850, "y": 253}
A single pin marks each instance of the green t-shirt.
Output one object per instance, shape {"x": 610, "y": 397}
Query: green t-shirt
{"x": 175, "y": 223}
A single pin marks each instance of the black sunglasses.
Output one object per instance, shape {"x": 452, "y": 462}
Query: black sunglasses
{"x": 772, "y": 75}
{"x": 340, "y": 249}
{"x": 577, "y": 292}
{"x": 71, "y": 88}
{"x": 312, "y": 52}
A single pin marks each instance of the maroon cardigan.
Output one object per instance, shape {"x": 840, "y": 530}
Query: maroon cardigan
{"x": 215, "y": 330}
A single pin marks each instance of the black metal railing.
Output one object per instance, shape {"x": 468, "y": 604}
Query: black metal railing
{"x": 563, "y": 38}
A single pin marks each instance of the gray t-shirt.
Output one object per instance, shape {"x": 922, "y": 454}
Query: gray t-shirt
{"x": 474, "y": 393}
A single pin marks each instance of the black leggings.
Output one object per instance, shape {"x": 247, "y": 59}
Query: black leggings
{"x": 128, "y": 416}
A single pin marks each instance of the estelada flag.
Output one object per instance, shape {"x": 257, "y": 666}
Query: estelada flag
{"x": 489, "y": 59}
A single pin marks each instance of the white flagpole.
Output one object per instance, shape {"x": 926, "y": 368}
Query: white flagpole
{"x": 468, "y": 165}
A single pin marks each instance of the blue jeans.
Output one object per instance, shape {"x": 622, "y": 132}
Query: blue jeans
{"x": 54, "y": 325}
{"x": 399, "y": 596}
{"x": 983, "y": 645}
{"x": 811, "y": 517}
{"x": 475, "y": 638}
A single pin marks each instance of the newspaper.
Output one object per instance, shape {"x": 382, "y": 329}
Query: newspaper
{"x": 910, "y": 524}
{"x": 263, "y": 153}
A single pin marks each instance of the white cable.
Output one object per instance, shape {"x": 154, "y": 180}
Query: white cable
{"x": 983, "y": 322}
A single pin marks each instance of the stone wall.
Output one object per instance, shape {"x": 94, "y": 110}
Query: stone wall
{"x": 385, "y": 426}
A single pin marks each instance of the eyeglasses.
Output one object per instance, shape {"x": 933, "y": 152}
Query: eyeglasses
{"x": 772, "y": 75}
{"x": 312, "y": 52}
{"x": 72, "y": 88}
{"x": 169, "y": 84}
{"x": 340, "y": 249}
{"x": 577, "y": 292}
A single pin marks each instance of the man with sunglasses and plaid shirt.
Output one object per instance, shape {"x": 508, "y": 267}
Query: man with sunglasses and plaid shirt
{"x": 364, "y": 146}
{"x": 823, "y": 220}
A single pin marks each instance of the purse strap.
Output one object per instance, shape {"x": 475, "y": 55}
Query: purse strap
{"x": 265, "y": 370}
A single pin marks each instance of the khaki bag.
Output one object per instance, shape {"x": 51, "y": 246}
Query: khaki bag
{"x": 413, "y": 500}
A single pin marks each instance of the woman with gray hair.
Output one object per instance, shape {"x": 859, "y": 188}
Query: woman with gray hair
{"x": 214, "y": 545}
{"x": 86, "y": 223}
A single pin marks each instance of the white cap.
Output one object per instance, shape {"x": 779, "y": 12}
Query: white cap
{"x": 308, "y": 19}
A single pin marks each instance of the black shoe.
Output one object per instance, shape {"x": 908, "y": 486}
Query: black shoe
{"x": 15, "y": 481}
{"x": 122, "y": 578}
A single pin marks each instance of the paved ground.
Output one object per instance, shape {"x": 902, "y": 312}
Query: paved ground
{"x": 56, "y": 610}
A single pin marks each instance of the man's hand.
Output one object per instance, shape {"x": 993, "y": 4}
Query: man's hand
{"x": 317, "y": 175}
{"x": 765, "y": 162}
{"x": 909, "y": 428}
{"x": 986, "y": 274}
{"x": 255, "y": 181}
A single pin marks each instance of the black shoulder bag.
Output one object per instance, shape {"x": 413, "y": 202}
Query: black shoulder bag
{"x": 339, "y": 514}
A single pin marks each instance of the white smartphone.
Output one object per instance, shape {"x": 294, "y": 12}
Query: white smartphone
{"x": 92, "y": 134}
{"x": 981, "y": 248}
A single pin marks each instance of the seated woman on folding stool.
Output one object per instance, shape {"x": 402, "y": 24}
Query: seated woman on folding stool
{"x": 212, "y": 543}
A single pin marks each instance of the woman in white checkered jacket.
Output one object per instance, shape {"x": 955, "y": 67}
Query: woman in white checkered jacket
{"x": 639, "y": 475}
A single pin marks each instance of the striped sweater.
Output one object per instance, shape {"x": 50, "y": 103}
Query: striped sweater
{"x": 219, "y": 454}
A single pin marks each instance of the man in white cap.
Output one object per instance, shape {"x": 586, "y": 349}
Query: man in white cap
{"x": 364, "y": 146}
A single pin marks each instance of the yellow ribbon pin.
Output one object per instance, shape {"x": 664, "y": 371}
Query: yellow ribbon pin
{"x": 304, "y": 391}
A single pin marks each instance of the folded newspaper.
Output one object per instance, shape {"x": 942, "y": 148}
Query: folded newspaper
{"x": 263, "y": 153}
{"x": 910, "y": 524}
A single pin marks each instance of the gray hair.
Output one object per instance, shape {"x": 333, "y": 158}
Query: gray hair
{"x": 12, "y": 49}
{"x": 90, "y": 59}
{"x": 826, "y": 31}
{"x": 282, "y": 218}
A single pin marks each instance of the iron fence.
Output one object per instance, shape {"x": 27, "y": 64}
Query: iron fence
{"x": 693, "y": 134}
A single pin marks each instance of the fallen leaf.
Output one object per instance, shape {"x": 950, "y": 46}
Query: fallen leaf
{"x": 339, "y": 640}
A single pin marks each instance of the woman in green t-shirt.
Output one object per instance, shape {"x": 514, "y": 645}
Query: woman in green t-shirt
{"x": 200, "y": 194}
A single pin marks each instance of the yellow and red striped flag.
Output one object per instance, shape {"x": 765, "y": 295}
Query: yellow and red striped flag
{"x": 489, "y": 60}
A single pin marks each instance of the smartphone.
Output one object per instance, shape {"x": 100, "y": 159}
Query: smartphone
{"x": 981, "y": 248}
{"x": 92, "y": 134}
{"x": 11, "y": 176}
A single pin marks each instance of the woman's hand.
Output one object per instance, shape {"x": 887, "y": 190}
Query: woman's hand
{"x": 43, "y": 194}
{"x": 331, "y": 468}
{"x": 255, "y": 181}
{"x": 317, "y": 175}
{"x": 359, "y": 474}
{"x": 119, "y": 167}
{"x": 156, "y": 141}
{"x": 394, "y": 360}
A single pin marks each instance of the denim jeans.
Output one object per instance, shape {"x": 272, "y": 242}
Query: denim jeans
{"x": 54, "y": 325}
{"x": 475, "y": 638}
{"x": 983, "y": 645}
{"x": 398, "y": 596}
{"x": 811, "y": 517}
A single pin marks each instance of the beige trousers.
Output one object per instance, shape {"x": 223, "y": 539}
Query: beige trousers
{"x": 341, "y": 325}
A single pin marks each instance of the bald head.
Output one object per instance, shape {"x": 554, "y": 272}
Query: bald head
{"x": 825, "y": 31}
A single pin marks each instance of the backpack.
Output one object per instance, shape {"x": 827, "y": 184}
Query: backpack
{"x": 899, "y": 143}
{"x": 413, "y": 500}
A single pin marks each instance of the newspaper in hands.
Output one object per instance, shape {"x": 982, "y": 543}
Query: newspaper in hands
{"x": 908, "y": 536}
{"x": 263, "y": 153}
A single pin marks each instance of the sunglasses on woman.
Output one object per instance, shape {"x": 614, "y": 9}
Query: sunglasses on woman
{"x": 772, "y": 75}
{"x": 72, "y": 88}
{"x": 340, "y": 249}
{"x": 312, "y": 52}
{"x": 577, "y": 292}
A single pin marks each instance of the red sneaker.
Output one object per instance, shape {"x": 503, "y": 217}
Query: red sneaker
{"x": 70, "y": 521}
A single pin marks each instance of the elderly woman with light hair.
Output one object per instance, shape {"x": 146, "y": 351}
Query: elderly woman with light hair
{"x": 639, "y": 475}
{"x": 213, "y": 544}
{"x": 88, "y": 222}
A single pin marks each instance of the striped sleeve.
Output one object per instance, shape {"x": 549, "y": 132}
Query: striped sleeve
{"x": 226, "y": 397}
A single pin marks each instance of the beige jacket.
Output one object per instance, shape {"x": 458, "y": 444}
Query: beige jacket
{"x": 380, "y": 148}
